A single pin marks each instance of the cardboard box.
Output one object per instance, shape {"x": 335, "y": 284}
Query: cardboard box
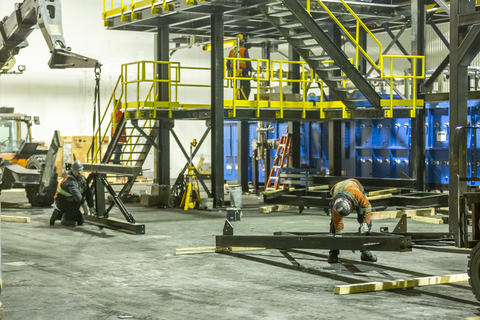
{"x": 149, "y": 200}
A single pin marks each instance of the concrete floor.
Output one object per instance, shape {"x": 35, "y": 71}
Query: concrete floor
{"x": 85, "y": 273}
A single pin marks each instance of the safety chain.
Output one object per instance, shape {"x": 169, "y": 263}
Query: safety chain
{"x": 96, "y": 110}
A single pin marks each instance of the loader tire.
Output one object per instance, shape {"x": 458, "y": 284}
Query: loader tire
{"x": 474, "y": 271}
{"x": 47, "y": 198}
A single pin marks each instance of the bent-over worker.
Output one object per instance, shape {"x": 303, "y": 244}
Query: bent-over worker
{"x": 71, "y": 195}
{"x": 349, "y": 196}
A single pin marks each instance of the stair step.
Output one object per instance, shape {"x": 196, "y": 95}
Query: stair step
{"x": 356, "y": 99}
{"x": 346, "y": 89}
{"x": 280, "y": 14}
{"x": 290, "y": 25}
{"x": 328, "y": 68}
{"x": 135, "y": 152}
{"x": 301, "y": 36}
{"x": 339, "y": 78}
{"x": 310, "y": 46}
{"x": 320, "y": 58}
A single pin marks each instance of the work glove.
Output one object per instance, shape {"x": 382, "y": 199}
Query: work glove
{"x": 364, "y": 228}
{"x": 85, "y": 208}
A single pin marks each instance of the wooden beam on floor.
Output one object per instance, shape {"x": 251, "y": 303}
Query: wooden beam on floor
{"x": 378, "y": 192}
{"x": 428, "y": 219}
{"x": 213, "y": 250}
{"x": 399, "y": 284}
{"x": 276, "y": 207}
{"x": 395, "y": 214}
{"x": 15, "y": 219}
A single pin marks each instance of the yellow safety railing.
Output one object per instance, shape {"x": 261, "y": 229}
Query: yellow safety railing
{"x": 322, "y": 104}
{"x": 145, "y": 72}
{"x": 234, "y": 76}
{"x": 305, "y": 78}
{"x": 414, "y": 77}
{"x": 103, "y": 135}
{"x": 356, "y": 39}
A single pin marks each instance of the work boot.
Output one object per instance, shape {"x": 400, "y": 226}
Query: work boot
{"x": 68, "y": 223}
{"x": 55, "y": 216}
{"x": 368, "y": 256}
{"x": 332, "y": 257}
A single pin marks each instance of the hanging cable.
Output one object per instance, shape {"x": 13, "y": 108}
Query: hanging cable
{"x": 96, "y": 110}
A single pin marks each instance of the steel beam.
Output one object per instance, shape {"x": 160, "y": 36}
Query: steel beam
{"x": 442, "y": 4}
{"x": 439, "y": 33}
{"x": 458, "y": 107}
{"x": 418, "y": 123}
{"x": 243, "y": 147}
{"x": 218, "y": 166}
{"x": 372, "y": 242}
{"x": 162, "y": 167}
{"x": 428, "y": 85}
{"x": 469, "y": 48}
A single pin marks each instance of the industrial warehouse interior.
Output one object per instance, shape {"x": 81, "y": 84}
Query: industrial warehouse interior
{"x": 239, "y": 159}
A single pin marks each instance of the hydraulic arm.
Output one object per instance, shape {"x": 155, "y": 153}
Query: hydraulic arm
{"x": 15, "y": 29}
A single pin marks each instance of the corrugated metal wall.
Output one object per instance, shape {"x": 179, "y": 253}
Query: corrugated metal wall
{"x": 436, "y": 51}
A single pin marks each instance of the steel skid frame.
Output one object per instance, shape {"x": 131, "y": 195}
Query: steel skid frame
{"x": 287, "y": 240}
{"x": 97, "y": 182}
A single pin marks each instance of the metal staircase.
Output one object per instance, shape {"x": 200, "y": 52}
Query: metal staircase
{"x": 298, "y": 27}
{"x": 140, "y": 139}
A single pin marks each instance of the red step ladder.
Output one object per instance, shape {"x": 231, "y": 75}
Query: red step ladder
{"x": 280, "y": 161}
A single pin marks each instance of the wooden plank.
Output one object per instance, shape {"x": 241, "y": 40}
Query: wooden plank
{"x": 427, "y": 219}
{"x": 182, "y": 251}
{"x": 313, "y": 188}
{"x": 399, "y": 284}
{"x": 275, "y": 208}
{"x": 380, "y": 196}
{"x": 419, "y": 212}
{"x": 378, "y": 192}
{"x": 15, "y": 219}
{"x": 381, "y": 215}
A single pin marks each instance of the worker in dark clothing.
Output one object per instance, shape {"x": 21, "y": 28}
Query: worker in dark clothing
{"x": 244, "y": 66}
{"x": 123, "y": 138}
{"x": 71, "y": 195}
{"x": 348, "y": 196}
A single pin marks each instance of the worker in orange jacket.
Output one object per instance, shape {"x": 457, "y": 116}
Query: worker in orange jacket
{"x": 123, "y": 138}
{"x": 245, "y": 66}
{"x": 348, "y": 196}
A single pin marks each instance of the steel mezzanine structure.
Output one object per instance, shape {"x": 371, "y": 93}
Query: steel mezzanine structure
{"x": 195, "y": 18}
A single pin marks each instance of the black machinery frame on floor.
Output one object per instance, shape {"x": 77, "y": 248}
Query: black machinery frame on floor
{"x": 97, "y": 182}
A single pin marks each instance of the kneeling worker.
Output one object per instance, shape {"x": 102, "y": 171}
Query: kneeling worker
{"x": 70, "y": 196}
{"x": 349, "y": 195}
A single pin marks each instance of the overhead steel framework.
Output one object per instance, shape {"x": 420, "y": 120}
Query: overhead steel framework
{"x": 185, "y": 22}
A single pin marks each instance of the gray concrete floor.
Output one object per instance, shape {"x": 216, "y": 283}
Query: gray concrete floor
{"x": 85, "y": 273}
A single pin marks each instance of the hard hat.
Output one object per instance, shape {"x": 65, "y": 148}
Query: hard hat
{"x": 342, "y": 205}
{"x": 77, "y": 165}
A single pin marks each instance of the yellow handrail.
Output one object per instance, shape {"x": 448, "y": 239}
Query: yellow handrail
{"x": 414, "y": 77}
{"x": 356, "y": 40}
{"x": 234, "y": 74}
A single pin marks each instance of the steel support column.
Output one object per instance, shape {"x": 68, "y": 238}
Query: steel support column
{"x": 217, "y": 108}
{"x": 294, "y": 127}
{"x": 162, "y": 167}
{"x": 417, "y": 160}
{"x": 458, "y": 108}
{"x": 243, "y": 147}
{"x": 335, "y": 127}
